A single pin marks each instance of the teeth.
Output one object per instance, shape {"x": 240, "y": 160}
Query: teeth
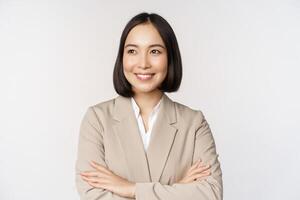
{"x": 144, "y": 76}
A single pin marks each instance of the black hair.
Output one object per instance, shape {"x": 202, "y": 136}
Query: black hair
{"x": 174, "y": 72}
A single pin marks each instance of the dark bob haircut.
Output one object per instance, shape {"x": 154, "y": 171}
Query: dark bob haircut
{"x": 174, "y": 74}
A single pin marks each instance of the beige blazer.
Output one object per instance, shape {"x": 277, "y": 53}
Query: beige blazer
{"x": 180, "y": 136}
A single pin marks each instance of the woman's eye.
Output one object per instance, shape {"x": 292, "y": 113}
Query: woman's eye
{"x": 130, "y": 51}
{"x": 155, "y": 51}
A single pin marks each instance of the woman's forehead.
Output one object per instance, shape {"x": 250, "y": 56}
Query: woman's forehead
{"x": 144, "y": 35}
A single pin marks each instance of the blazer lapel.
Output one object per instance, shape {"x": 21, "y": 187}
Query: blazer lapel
{"x": 129, "y": 137}
{"x": 162, "y": 138}
{"x": 145, "y": 166}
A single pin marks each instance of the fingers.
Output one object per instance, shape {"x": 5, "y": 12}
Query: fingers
{"x": 198, "y": 170}
{"x": 100, "y": 167}
{"x": 92, "y": 174}
{"x": 96, "y": 185}
{"x": 195, "y": 176}
{"x": 197, "y": 162}
{"x": 91, "y": 179}
{"x": 89, "y": 173}
{"x": 101, "y": 172}
{"x": 195, "y": 165}
{"x": 198, "y": 166}
{"x": 201, "y": 168}
{"x": 94, "y": 182}
{"x": 94, "y": 177}
{"x": 201, "y": 175}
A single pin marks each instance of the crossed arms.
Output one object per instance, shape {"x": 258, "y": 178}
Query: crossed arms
{"x": 200, "y": 182}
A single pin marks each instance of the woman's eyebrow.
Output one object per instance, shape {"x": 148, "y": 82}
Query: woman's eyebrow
{"x": 152, "y": 45}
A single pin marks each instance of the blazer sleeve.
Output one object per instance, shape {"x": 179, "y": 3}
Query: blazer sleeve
{"x": 90, "y": 147}
{"x": 209, "y": 188}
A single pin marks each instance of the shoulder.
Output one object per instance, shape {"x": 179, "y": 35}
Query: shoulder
{"x": 104, "y": 105}
{"x": 102, "y": 108}
{"x": 99, "y": 111}
{"x": 188, "y": 114}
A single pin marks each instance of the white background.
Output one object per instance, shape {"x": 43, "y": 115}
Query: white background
{"x": 241, "y": 64}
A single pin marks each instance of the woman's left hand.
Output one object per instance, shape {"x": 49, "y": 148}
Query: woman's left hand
{"x": 106, "y": 179}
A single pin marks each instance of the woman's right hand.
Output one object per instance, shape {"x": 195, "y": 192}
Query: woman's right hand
{"x": 197, "y": 170}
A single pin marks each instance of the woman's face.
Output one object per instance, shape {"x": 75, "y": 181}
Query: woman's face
{"x": 145, "y": 60}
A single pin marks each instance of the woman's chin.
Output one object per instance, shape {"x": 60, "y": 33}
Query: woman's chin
{"x": 144, "y": 90}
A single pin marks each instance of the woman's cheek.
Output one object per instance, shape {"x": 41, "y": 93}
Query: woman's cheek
{"x": 159, "y": 61}
{"x": 129, "y": 63}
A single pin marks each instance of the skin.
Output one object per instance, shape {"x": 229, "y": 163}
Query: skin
{"x": 144, "y": 52}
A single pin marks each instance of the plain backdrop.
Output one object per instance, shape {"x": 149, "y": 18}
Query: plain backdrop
{"x": 241, "y": 64}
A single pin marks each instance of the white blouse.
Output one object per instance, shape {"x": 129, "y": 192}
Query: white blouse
{"x": 152, "y": 117}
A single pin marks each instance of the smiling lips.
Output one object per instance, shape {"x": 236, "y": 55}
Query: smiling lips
{"x": 144, "y": 77}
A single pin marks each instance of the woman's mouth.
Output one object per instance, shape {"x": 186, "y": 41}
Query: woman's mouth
{"x": 144, "y": 77}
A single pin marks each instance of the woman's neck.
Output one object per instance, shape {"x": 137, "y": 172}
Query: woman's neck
{"x": 147, "y": 101}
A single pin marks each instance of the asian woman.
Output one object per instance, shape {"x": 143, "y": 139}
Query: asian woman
{"x": 142, "y": 144}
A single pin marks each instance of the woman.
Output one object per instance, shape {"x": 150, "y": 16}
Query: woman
{"x": 141, "y": 144}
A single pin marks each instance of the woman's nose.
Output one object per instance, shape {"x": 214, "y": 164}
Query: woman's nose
{"x": 143, "y": 62}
